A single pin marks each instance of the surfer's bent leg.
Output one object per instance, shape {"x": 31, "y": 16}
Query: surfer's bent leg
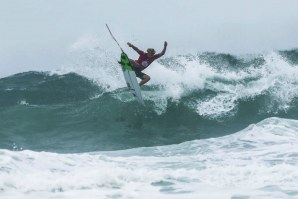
{"x": 144, "y": 77}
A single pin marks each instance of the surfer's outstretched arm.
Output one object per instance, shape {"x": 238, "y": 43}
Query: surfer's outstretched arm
{"x": 135, "y": 48}
{"x": 164, "y": 48}
{"x": 163, "y": 51}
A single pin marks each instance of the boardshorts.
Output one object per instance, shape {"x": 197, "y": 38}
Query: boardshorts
{"x": 139, "y": 73}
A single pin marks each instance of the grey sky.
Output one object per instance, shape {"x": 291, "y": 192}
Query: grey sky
{"x": 35, "y": 34}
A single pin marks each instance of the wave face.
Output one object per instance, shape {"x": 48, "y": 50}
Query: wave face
{"x": 211, "y": 127}
{"x": 260, "y": 161}
{"x": 189, "y": 97}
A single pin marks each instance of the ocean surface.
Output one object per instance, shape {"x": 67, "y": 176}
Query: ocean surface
{"x": 214, "y": 126}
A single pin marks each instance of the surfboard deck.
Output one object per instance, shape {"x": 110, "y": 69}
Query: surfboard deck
{"x": 130, "y": 78}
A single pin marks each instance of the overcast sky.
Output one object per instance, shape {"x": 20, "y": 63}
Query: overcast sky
{"x": 36, "y": 34}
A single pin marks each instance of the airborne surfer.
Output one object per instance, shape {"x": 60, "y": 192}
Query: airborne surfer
{"x": 144, "y": 60}
{"x": 132, "y": 68}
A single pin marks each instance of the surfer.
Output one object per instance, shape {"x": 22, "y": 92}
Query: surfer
{"x": 144, "y": 60}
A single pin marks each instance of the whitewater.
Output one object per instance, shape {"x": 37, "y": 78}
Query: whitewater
{"x": 213, "y": 126}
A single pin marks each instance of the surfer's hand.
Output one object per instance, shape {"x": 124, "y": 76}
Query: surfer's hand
{"x": 165, "y": 44}
{"x": 129, "y": 44}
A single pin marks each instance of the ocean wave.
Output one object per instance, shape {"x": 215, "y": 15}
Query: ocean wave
{"x": 215, "y": 84}
{"x": 257, "y": 162}
{"x": 189, "y": 97}
{"x": 44, "y": 88}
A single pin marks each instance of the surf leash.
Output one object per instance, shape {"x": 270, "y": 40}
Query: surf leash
{"x": 114, "y": 38}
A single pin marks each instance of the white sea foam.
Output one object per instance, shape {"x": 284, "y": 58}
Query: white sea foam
{"x": 23, "y": 102}
{"x": 258, "y": 162}
{"x": 276, "y": 78}
{"x": 90, "y": 59}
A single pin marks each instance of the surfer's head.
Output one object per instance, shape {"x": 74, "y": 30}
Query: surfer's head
{"x": 150, "y": 52}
